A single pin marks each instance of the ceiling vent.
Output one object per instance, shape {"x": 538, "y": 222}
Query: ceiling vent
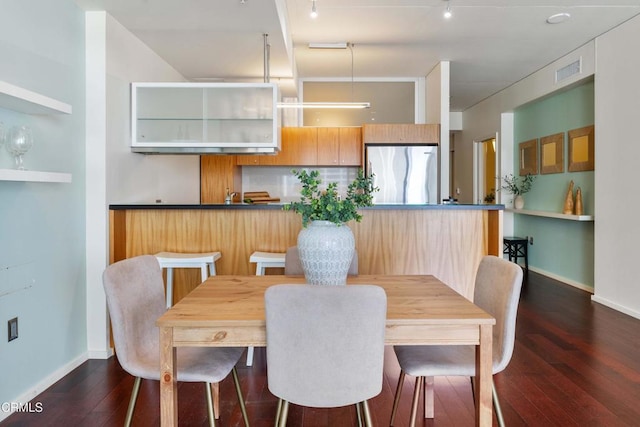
{"x": 569, "y": 70}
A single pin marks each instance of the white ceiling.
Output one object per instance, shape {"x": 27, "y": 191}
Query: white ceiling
{"x": 491, "y": 44}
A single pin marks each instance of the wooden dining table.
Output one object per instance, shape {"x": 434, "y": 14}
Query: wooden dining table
{"x": 228, "y": 311}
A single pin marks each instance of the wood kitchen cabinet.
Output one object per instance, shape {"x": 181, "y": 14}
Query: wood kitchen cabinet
{"x": 257, "y": 160}
{"x": 313, "y": 146}
{"x": 299, "y": 146}
{"x": 401, "y": 133}
{"x": 217, "y": 173}
{"x": 340, "y": 146}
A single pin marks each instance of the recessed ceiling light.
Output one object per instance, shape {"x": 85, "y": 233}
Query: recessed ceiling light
{"x": 558, "y": 18}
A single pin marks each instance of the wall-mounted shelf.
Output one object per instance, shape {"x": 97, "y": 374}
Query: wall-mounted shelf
{"x": 33, "y": 176}
{"x": 547, "y": 214}
{"x": 24, "y": 101}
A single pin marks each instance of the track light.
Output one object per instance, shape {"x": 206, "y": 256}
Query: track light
{"x": 447, "y": 12}
{"x": 314, "y": 11}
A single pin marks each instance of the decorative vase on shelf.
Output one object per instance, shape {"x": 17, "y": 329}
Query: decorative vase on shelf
{"x": 578, "y": 205}
{"x": 568, "y": 200}
{"x": 518, "y": 201}
{"x": 19, "y": 141}
{"x": 326, "y": 250}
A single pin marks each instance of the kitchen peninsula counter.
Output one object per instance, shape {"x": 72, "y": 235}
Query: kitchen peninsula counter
{"x": 445, "y": 240}
{"x": 278, "y": 206}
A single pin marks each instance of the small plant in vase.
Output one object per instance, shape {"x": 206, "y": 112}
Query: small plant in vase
{"x": 518, "y": 187}
{"x": 326, "y": 244}
{"x": 327, "y": 205}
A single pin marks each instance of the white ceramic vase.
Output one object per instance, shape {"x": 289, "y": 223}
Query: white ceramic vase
{"x": 326, "y": 251}
{"x": 518, "y": 202}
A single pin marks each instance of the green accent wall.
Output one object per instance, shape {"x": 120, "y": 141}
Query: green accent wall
{"x": 561, "y": 247}
{"x": 42, "y": 225}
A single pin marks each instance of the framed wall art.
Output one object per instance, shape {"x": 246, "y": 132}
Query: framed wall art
{"x": 581, "y": 149}
{"x": 529, "y": 157}
{"x": 552, "y": 153}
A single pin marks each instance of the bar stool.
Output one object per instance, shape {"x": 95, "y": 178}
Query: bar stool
{"x": 171, "y": 260}
{"x": 517, "y": 247}
{"x": 264, "y": 260}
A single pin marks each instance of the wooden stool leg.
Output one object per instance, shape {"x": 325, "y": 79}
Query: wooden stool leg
{"x": 249, "y": 356}
{"x": 169, "y": 287}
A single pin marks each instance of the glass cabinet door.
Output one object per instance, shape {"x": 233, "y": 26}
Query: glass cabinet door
{"x": 239, "y": 114}
{"x": 169, "y": 114}
{"x": 226, "y": 116}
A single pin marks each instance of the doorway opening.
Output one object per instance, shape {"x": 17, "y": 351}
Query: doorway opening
{"x": 485, "y": 178}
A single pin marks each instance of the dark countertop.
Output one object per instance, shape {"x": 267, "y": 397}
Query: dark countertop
{"x": 276, "y": 206}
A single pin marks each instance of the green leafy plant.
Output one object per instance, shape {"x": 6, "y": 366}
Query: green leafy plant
{"x": 326, "y": 205}
{"x": 491, "y": 197}
{"x": 514, "y": 186}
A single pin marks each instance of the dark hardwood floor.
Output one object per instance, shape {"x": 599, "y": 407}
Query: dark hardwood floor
{"x": 575, "y": 363}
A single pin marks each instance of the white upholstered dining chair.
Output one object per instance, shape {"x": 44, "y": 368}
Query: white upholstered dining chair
{"x": 497, "y": 291}
{"x": 325, "y": 346}
{"x": 135, "y": 297}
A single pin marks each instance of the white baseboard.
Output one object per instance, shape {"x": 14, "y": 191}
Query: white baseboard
{"x": 615, "y": 306}
{"x": 562, "y": 279}
{"x": 594, "y": 298}
{"x": 100, "y": 354}
{"x": 46, "y": 382}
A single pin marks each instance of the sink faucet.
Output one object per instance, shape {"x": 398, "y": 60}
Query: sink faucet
{"x": 229, "y": 198}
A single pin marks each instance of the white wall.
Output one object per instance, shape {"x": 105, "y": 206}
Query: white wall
{"x": 617, "y": 111}
{"x": 116, "y": 175}
{"x": 437, "y": 111}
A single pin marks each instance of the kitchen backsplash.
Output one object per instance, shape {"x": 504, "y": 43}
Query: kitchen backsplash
{"x": 280, "y": 182}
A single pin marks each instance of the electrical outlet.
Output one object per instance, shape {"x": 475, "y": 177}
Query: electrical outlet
{"x": 531, "y": 240}
{"x": 12, "y": 326}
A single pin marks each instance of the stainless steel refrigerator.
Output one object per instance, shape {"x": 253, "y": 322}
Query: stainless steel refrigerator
{"x": 404, "y": 174}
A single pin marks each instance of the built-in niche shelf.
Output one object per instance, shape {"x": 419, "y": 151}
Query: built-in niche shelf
{"x": 25, "y": 101}
{"x": 33, "y": 176}
{"x": 548, "y": 214}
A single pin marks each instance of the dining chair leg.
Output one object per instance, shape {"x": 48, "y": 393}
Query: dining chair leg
{"x": 367, "y": 413}
{"x": 429, "y": 397}
{"x": 132, "y": 401}
{"x": 284, "y": 413}
{"x": 278, "y": 412}
{"x": 396, "y": 399}
{"x": 496, "y": 404}
{"x": 416, "y": 398}
{"x": 215, "y": 389}
{"x": 210, "y": 410}
{"x": 243, "y": 407}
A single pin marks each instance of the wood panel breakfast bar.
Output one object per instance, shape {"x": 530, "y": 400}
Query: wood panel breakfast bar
{"x": 228, "y": 311}
{"x": 446, "y": 241}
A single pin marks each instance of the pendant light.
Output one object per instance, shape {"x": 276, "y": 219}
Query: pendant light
{"x": 347, "y": 105}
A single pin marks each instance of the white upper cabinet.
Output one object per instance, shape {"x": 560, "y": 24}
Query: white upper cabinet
{"x": 204, "y": 118}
